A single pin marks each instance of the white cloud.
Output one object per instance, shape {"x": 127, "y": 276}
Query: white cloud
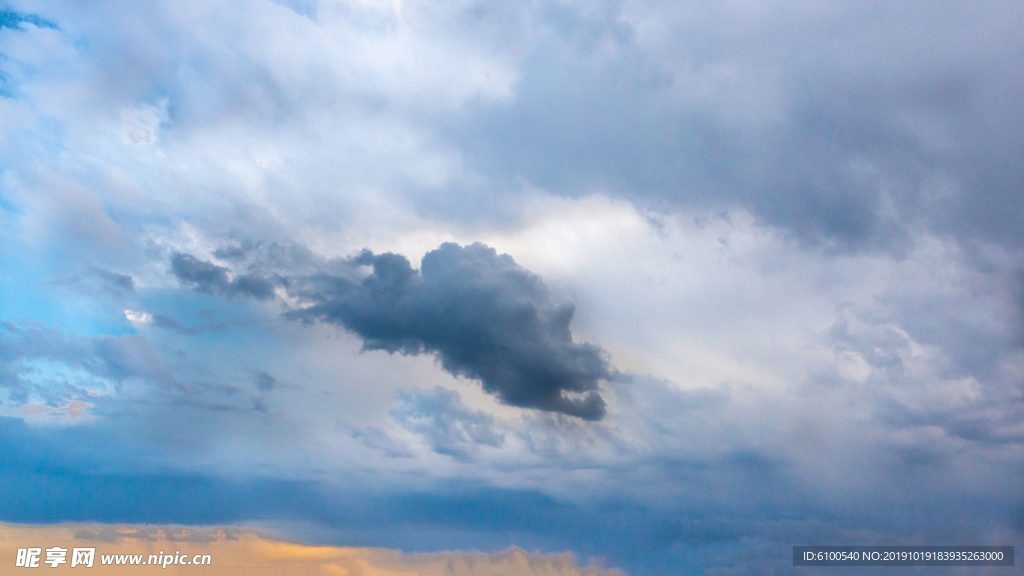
{"x": 138, "y": 318}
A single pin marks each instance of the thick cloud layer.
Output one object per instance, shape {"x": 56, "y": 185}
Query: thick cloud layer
{"x": 483, "y": 315}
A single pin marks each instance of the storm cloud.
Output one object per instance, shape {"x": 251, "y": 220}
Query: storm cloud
{"x": 484, "y": 316}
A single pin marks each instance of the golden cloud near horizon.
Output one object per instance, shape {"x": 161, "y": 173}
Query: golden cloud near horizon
{"x": 238, "y": 552}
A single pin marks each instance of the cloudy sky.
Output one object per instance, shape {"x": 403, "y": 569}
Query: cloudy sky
{"x": 669, "y": 286}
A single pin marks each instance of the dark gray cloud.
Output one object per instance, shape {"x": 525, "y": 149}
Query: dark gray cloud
{"x": 483, "y": 315}
{"x": 213, "y": 279}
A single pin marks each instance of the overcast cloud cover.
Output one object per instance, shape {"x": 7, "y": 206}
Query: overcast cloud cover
{"x": 672, "y": 286}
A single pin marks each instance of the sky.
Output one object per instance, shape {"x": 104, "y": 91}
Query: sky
{"x": 231, "y": 551}
{"x": 669, "y": 287}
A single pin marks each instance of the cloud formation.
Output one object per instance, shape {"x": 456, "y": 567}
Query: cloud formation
{"x": 448, "y": 426}
{"x": 213, "y": 279}
{"x": 34, "y": 359}
{"x": 483, "y": 315}
{"x": 795, "y": 225}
